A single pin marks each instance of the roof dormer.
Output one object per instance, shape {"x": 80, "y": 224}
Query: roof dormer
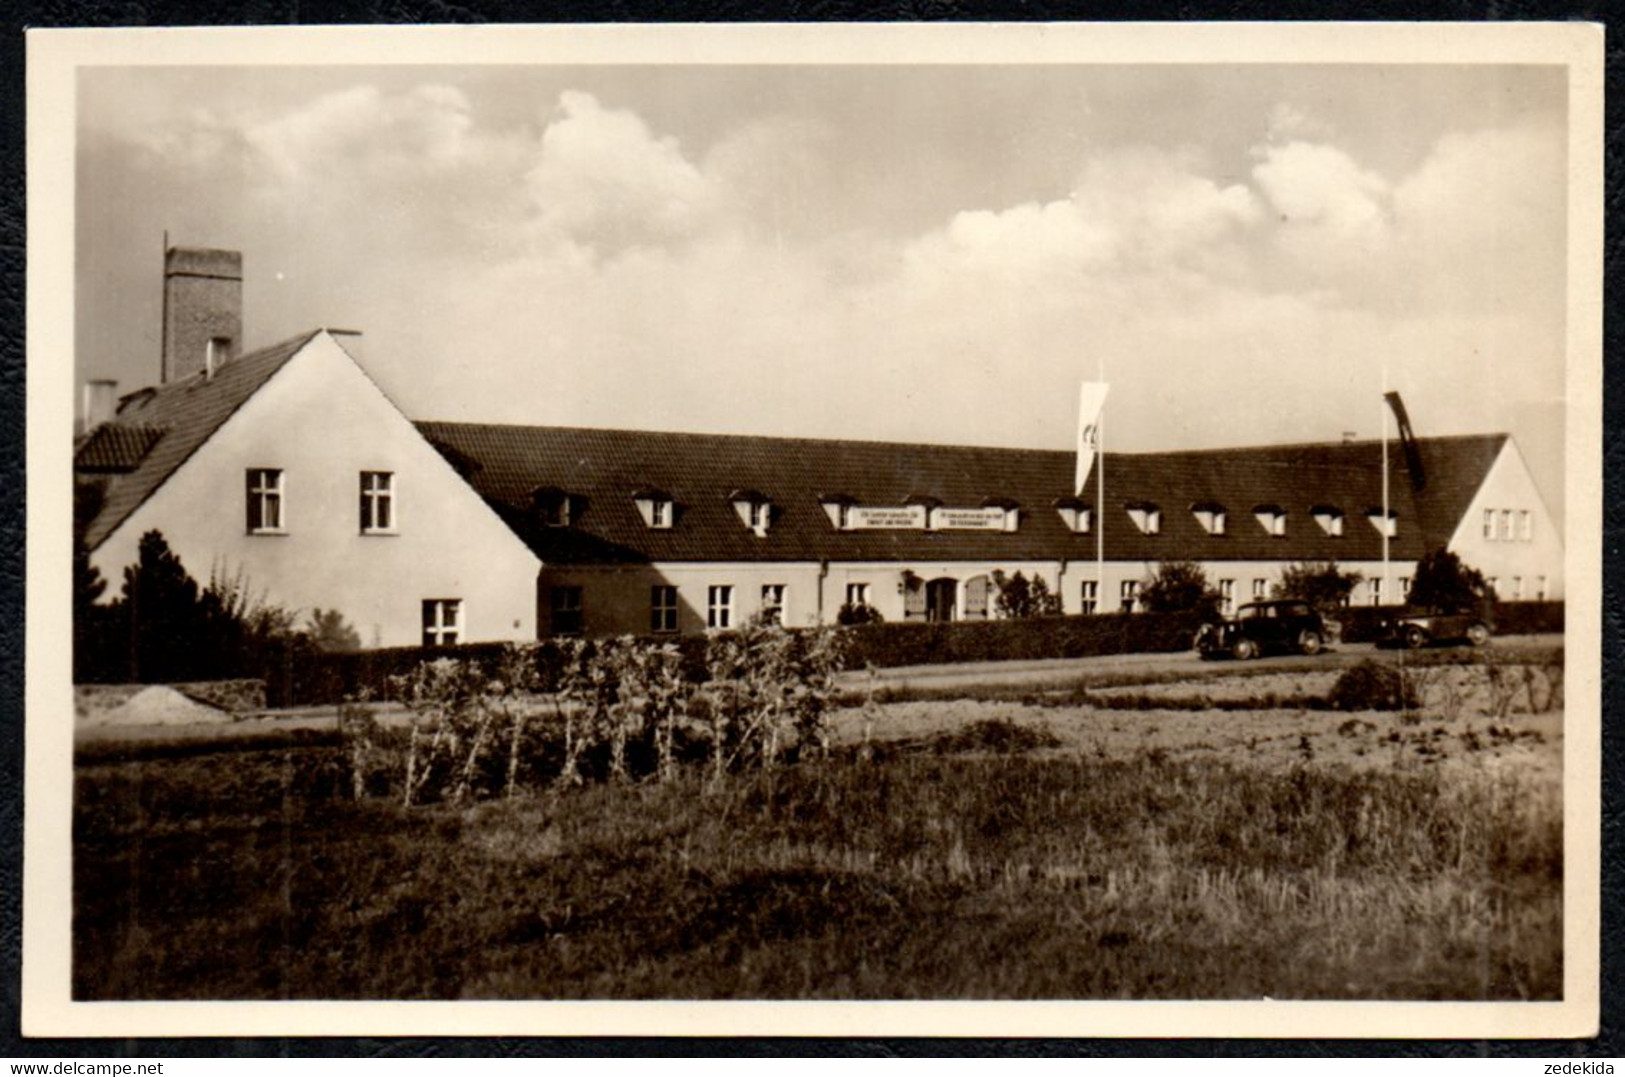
{"x": 1147, "y": 516}
{"x": 754, "y": 509}
{"x": 1076, "y": 514}
{"x": 1272, "y": 518}
{"x": 1211, "y": 515}
{"x": 554, "y": 507}
{"x": 838, "y": 507}
{"x": 1330, "y": 519}
{"x": 1385, "y": 525}
{"x": 656, "y": 507}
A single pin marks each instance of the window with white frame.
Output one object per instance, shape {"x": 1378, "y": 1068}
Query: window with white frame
{"x": 655, "y": 507}
{"x": 1526, "y": 525}
{"x": 660, "y": 513}
{"x": 442, "y": 621}
{"x": 1385, "y": 525}
{"x": 1505, "y": 531}
{"x": 761, "y": 514}
{"x": 857, "y": 594}
{"x": 1128, "y": 593}
{"x": 1489, "y": 524}
{"x": 1330, "y": 519}
{"x": 662, "y": 608}
{"x": 1210, "y": 516}
{"x": 564, "y": 611}
{"x": 1375, "y": 591}
{"x": 1404, "y": 588}
{"x": 265, "y": 501}
{"x": 1147, "y": 517}
{"x": 552, "y": 507}
{"x": 377, "y": 502}
{"x": 1090, "y": 596}
{"x": 1227, "y": 596}
{"x": 719, "y": 606}
{"x": 1272, "y": 518}
{"x": 1261, "y": 588}
{"x": 772, "y": 609}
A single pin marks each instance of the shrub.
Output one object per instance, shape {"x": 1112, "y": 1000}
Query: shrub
{"x": 1018, "y": 597}
{"x": 1443, "y": 582}
{"x": 1180, "y": 587}
{"x": 1320, "y": 583}
{"x": 1372, "y": 686}
{"x": 859, "y": 613}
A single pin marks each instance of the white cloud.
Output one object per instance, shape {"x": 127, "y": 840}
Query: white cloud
{"x": 604, "y": 179}
{"x": 1333, "y": 214}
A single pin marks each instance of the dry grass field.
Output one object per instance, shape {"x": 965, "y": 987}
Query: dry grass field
{"x": 1187, "y": 838}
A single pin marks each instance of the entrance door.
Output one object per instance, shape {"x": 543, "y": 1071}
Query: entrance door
{"x": 976, "y": 591}
{"x": 941, "y": 595}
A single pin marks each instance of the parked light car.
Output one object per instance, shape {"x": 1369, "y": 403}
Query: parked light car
{"x": 1419, "y": 627}
{"x": 1288, "y": 626}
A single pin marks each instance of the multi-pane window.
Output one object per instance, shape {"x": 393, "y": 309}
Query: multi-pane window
{"x": 773, "y": 603}
{"x": 1227, "y": 596}
{"x": 857, "y": 594}
{"x": 264, "y": 499}
{"x": 1330, "y": 520}
{"x": 660, "y": 514}
{"x": 1526, "y": 525}
{"x": 1506, "y": 525}
{"x": 1146, "y": 517}
{"x": 442, "y": 621}
{"x": 1489, "y": 524}
{"x": 1404, "y": 588}
{"x": 761, "y": 513}
{"x": 1517, "y": 588}
{"x": 1261, "y": 588}
{"x": 1376, "y": 591}
{"x": 564, "y": 610}
{"x": 377, "y": 502}
{"x": 662, "y": 608}
{"x": 1127, "y": 594}
{"x": 1091, "y": 596}
{"x": 1540, "y": 588}
{"x": 719, "y": 606}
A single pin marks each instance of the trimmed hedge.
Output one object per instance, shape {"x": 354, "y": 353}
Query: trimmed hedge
{"x": 1078, "y": 636}
{"x": 299, "y": 677}
{"x": 1361, "y": 623}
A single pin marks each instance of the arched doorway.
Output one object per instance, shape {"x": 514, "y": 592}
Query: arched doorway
{"x": 941, "y": 599}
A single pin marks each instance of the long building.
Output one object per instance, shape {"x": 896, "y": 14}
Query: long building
{"x": 291, "y": 467}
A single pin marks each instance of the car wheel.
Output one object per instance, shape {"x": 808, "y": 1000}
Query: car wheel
{"x": 1415, "y": 637}
{"x": 1309, "y": 642}
{"x": 1244, "y": 649}
{"x": 1478, "y": 634}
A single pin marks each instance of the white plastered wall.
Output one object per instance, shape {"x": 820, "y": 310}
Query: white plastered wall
{"x": 323, "y": 421}
{"x": 1509, "y": 485}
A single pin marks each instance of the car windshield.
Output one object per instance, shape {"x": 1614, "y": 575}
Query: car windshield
{"x": 1247, "y": 613}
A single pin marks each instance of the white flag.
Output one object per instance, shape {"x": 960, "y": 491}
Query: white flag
{"x": 1090, "y": 402}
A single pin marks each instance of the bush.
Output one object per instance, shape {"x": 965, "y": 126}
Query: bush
{"x": 1320, "y": 583}
{"x": 1372, "y": 686}
{"x": 860, "y": 613}
{"x": 1443, "y": 582}
{"x": 1180, "y": 587}
{"x": 1018, "y": 597}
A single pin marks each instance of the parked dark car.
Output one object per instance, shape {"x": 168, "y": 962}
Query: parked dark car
{"x": 1286, "y": 626}
{"x": 1419, "y": 627}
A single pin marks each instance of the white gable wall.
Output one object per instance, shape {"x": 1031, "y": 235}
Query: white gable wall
{"x": 1510, "y": 486}
{"x": 322, "y": 421}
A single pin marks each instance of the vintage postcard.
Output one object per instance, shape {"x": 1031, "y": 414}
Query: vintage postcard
{"x": 972, "y": 530}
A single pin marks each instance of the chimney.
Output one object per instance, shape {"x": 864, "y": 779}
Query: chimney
{"x": 101, "y": 401}
{"x": 203, "y": 311}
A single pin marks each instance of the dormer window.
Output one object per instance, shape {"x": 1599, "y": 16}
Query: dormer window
{"x": 1146, "y": 516}
{"x": 1076, "y": 514}
{"x": 656, "y": 508}
{"x": 1272, "y": 518}
{"x": 1388, "y": 525}
{"x": 838, "y": 507}
{"x": 1330, "y": 519}
{"x": 1007, "y": 505}
{"x": 1211, "y": 515}
{"x": 554, "y": 507}
{"x": 755, "y": 511}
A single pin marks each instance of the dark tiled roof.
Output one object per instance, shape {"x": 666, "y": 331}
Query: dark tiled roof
{"x": 116, "y": 447}
{"x": 601, "y": 469}
{"x": 188, "y": 412}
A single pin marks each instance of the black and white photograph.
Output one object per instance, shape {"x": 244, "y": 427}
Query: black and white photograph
{"x": 814, "y": 528}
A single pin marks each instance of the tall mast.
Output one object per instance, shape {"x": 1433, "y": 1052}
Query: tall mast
{"x": 1387, "y": 516}
{"x": 1100, "y": 495}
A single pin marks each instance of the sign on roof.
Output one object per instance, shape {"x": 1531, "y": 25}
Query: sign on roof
{"x": 921, "y": 518}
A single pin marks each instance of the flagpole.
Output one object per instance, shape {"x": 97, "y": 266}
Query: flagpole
{"x": 1387, "y": 516}
{"x": 1100, "y": 494}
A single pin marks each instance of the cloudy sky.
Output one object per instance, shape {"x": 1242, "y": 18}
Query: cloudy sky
{"x": 930, "y": 253}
